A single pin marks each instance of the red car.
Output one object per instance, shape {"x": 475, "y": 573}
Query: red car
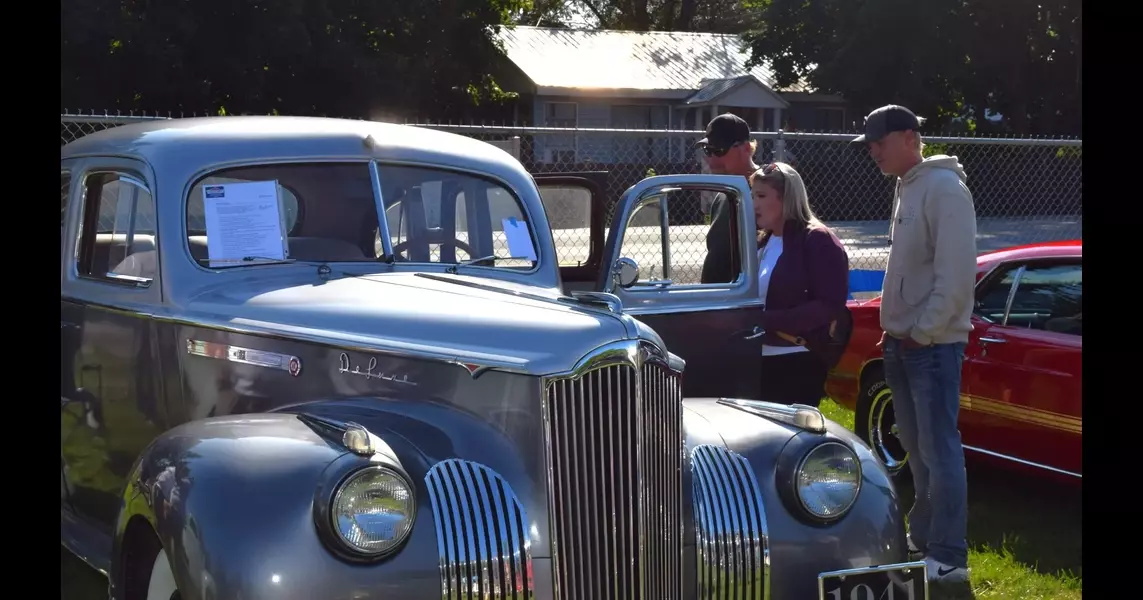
{"x": 1021, "y": 387}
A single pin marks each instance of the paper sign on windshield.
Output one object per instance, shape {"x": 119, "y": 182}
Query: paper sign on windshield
{"x": 243, "y": 220}
{"x": 519, "y": 239}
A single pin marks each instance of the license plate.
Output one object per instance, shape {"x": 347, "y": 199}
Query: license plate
{"x": 902, "y": 581}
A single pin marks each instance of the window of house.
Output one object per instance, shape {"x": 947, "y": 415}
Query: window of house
{"x": 560, "y": 114}
{"x": 831, "y": 119}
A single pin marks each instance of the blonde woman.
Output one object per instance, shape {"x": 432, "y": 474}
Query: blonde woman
{"x": 803, "y": 282}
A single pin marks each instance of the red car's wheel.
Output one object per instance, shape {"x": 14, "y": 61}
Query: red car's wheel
{"x": 876, "y": 423}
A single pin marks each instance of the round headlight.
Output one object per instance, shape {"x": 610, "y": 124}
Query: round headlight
{"x": 828, "y": 480}
{"x": 373, "y": 511}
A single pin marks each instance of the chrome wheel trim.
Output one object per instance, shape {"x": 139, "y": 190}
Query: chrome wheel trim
{"x": 880, "y": 431}
{"x": 162, "y": 585}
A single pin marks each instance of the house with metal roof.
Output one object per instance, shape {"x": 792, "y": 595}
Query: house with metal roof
{"x": 580, "y": 78}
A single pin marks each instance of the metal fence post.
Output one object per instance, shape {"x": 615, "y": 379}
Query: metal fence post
{"x": 780, "y": 147}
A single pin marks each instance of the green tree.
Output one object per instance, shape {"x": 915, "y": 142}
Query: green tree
{"x": 347, "y": 58}
{"x": 946, "y": 59}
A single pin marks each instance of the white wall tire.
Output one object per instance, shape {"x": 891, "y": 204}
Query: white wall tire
{"x": 161, "y": 585}
{"x": 875, "y": 423}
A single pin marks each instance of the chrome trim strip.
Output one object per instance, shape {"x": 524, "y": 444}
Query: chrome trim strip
{"x": 731, "y": 535}
{"x": 245, "y": 356}
{"x": 798, "y": 415}
{"x": 377, "y": 347}
{"x": 484, "y": 549}
{"x": 382, "y": 219}
{"x": 1023, "y": 462}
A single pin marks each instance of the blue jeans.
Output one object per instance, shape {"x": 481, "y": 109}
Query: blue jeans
{"x": 926, "y": 401}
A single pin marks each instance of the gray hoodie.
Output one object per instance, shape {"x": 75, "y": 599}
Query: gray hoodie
{"x": 929, "y": 281}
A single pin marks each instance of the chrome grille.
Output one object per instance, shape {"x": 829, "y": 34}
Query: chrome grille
{"x": 616, "y": 453}
{"x": 730, "y": 527}
{"x": 481, "y": 537}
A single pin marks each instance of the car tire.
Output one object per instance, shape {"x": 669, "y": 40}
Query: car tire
{"x": 875, "y": 424}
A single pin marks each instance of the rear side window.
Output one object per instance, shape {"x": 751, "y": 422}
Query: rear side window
{"x": 118, "y": 243}
{"x": 65, "y": 185}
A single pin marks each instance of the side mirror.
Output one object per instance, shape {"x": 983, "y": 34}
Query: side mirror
{"x": 625, "y": 272}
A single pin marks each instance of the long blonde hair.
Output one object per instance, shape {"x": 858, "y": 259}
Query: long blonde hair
{"x": 795, "y": 201}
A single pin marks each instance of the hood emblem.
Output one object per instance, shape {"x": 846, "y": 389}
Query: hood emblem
{"x": 474, "y": 370}
{"x": 344, "y": 366}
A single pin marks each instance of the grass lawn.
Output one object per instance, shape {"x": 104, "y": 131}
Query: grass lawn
{"x": 1024, "y": 535}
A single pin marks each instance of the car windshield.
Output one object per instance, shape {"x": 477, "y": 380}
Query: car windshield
{"x": 327, "y": 212}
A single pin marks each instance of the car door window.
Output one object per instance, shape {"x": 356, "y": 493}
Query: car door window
{"x": 666, "y": 235}
{"x": 569, "y": 214}
{"x": 118, "y": 243}
{"x": 992, "y": 297}
{"x": 1048, "y": 297}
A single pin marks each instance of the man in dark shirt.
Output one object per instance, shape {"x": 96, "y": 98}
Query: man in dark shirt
{"x": 729, "y": 150}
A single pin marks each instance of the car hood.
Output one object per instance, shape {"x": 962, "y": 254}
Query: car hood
{"x": 465, "y": 319}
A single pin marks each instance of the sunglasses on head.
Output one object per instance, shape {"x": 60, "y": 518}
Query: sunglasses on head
{"x": 770, "y": 168}
{"x": 719, "y": 152}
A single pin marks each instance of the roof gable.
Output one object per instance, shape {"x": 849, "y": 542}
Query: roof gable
{"x": 669, "y": 61}
{"x": 717, "y": 89}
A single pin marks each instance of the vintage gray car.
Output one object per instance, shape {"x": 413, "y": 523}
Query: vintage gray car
{"x": 317, "y": 358}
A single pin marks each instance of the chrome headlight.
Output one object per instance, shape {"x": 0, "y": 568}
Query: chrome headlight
{"x": 828, "y": 480}
{"x": 373, "y": 510}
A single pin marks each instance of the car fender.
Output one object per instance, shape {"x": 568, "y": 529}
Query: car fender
{"x": 233, "y": 499}
{"x": 720, "y": 433}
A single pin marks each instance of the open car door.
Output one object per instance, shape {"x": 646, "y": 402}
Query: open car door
{"x": 656, "y": 251}
{"x": 575, "y": 204}
{"x": 653, "y": 260}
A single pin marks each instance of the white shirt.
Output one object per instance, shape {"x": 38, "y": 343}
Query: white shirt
{"x": 767, "y": 260}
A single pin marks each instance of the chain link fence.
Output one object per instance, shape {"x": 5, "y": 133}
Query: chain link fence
{"x": 1025, "y": 190}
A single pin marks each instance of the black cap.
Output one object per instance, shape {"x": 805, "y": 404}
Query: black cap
{"x": 724, "y": 131}
{"x": 886, "y": 120}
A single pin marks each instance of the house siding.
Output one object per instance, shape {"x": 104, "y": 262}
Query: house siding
{"x": 606, "y": 114}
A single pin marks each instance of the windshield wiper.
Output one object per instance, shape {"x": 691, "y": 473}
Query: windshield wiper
{"x": 473, "y": 261}
{"x": 251, "y": 259}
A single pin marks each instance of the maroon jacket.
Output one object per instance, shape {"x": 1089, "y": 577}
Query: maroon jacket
{"x": 809, "y": 285}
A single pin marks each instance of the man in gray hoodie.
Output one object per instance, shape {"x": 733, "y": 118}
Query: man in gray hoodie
{"x": 926, "y": 306}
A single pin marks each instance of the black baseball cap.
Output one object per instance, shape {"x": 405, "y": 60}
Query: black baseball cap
{"x": 724, "y": 131}
{"x": 886, "y": 120}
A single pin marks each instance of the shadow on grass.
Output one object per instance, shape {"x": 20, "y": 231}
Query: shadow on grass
{"x": 1039, "y": 523}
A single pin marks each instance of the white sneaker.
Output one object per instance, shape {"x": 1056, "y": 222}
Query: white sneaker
{"x": 939, "y": 571}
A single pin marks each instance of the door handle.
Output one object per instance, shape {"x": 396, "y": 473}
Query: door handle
{"x": 992, "y": 340}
